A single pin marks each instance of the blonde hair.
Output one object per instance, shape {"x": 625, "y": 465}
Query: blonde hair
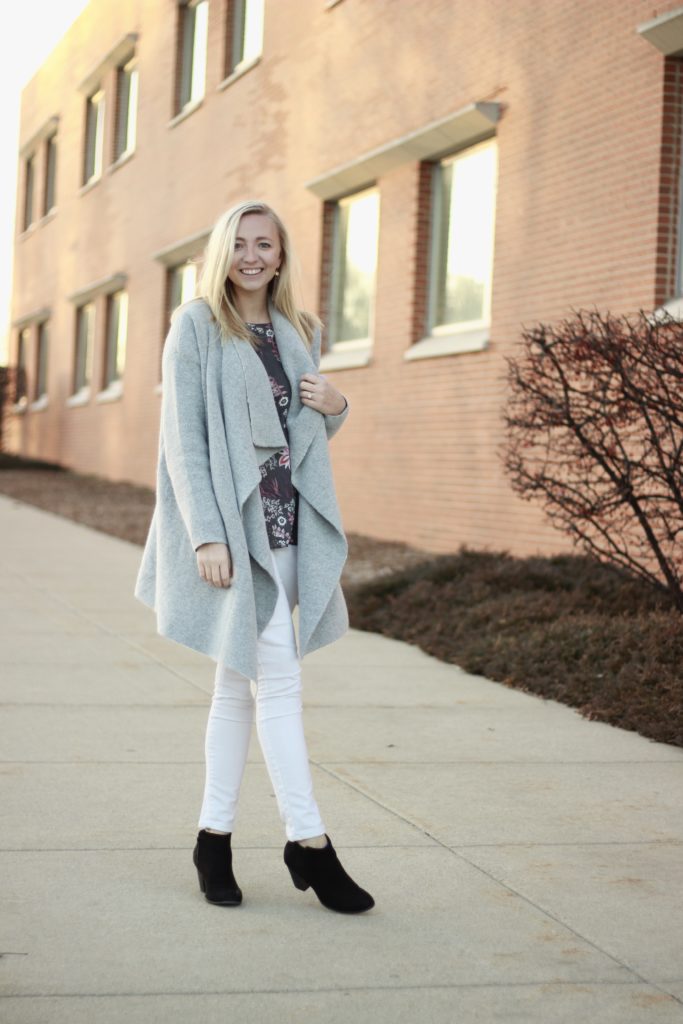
{"x": 217, "y": 291}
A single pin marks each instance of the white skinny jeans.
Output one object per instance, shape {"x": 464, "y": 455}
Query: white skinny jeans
{"x": 279, "y": 722}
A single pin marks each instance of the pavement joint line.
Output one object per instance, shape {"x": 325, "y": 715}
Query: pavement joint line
{"x": 543, "y": 910}
{"x": 99, "y": 706}
{"x": 110, "y": 632}
{"x": 343, "y": 988}
{"x": 157, "y": 849}
{"x": 453, "y": 847}
{"x": 387, "y": 763}
{"x": 497, "y": 881}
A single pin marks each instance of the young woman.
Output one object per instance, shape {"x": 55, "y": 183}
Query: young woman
{"x": 246, "y": 526}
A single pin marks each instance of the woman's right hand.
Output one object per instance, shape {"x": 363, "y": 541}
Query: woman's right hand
{"x": 215, "y": 564}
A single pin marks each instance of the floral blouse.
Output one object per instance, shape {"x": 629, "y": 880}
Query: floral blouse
{"x": 280, "y": 499}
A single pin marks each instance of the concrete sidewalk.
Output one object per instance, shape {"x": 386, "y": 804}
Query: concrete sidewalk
{"x": 526, "y": 863}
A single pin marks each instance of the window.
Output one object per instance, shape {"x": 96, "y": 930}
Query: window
{"x": 464, "y": 193}
{"x": 85, "y": 331}
{"x": 94, "y": 129}
{"x": 21, "y": 389}
{"x": 50, "y": 173}
{"x": 182, "y": 282}
{"x": 115, "y": 350}
{"x": 354, "y": 268}
{"x": 29, "y": 183}
{"x": 40, "y": 379}
{"x": 126, "y": 108}
{"x": 194, "y": 19}
{"x": 246, "y": 32}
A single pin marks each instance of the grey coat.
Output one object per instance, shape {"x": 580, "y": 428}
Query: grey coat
{"x": 218, "y": 425}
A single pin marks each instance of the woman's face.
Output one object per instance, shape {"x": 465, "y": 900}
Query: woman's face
{"x": 257, "y": 254}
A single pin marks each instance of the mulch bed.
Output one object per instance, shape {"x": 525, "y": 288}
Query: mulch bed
{"x": 564, "y": 627}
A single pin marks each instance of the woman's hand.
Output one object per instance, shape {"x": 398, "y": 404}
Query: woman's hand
{"x": 215, "y": 564}
{"x": 316, "y": 391}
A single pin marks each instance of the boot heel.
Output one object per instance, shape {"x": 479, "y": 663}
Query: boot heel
{"x": 299, "y": 882}
{"x": 202, "y": 883}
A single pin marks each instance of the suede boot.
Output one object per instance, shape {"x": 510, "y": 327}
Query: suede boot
{"x": 212, "y": 858}
{"x": 323, "y": 872}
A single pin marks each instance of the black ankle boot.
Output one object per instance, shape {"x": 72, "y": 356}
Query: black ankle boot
{"x": 212, "y": 858}
{"x": 322, "y": 870}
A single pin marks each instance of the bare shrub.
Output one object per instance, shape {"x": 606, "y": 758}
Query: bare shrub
{"x": 594, "y": 424}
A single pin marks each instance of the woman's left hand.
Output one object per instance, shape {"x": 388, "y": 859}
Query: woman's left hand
{"x": 316, "y": 391}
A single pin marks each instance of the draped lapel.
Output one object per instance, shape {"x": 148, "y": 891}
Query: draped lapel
{"x": 266, "y": 431}
{"x": 302, "y": 421}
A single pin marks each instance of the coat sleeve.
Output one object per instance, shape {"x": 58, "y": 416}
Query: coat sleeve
{"x": 185, "y": 436}
{"x": 332, "y": 422}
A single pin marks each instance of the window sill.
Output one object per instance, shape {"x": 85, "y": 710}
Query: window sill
{"x": 20, "y": 406}
{"x": 674, "y": 307}
{"x": 39, "y": 403}
{"x": 158, "y": 389}
{"x": 188, "y": 109}
{"x": 120, "y": 161}
{"x": 331, "y": 3}
{"x": 240, "y": 70}
{"x": 81, "y": 397}
{"x": 48, "y": 216}
{"x": 449, "y": 344}
{"x": 89, "y": 184}
{"x": 35, "y": 224}
{"x": 111, "y": 393}
{"x": 339, "y": 358}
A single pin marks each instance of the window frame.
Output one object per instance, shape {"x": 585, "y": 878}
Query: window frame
{"x": 237, "y": 60}
{"x": 50, "y": 178}
{"x": 188, "y": 96}
{"x": 28, "y": 210}
{"x": 459, "y": 336}
{"x": 94, "y": 101}
{"x": 40, "y": 362}
{"x": 349, "y": 351}
{"x": 125, "y": 136}
{"x": 21, "y": 381}
{"x": 111, "y": 381}
{"x": 84, "y": 349}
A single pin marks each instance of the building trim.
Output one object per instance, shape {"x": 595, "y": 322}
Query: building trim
{"x": 121, "y": 51}
{"x": 342, "y": 358}
{"x": 237, "y": 72}
{"x": 449, "y": 344}
{"x": 178, "y": 252}
{"x": 37, "y": 316}
{"x": 38, "y": 404}
{"x": 665, "y": 32}
{"x": 80, "y": 397}
{"x": 112, "y": 283}
{"x": 48, "y": 128}
{"x": 462, "y": 127}
{"x": 111, "y": 393}
{"x": 188, "y": 109}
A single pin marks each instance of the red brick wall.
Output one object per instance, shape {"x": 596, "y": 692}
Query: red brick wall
{"x": 586, "y": 216}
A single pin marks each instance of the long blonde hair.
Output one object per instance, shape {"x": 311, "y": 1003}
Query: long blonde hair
{"x": 216, "y": 289}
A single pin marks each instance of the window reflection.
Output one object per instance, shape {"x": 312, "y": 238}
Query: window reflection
{"x": 355, "y": 265}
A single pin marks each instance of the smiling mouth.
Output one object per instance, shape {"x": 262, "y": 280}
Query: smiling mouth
{"x": 251, "y": 272}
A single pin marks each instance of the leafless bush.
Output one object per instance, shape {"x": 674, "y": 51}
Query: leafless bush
{"x": 595, "y": 433}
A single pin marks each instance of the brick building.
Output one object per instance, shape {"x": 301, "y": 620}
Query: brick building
{"x": 449, "y": 173}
